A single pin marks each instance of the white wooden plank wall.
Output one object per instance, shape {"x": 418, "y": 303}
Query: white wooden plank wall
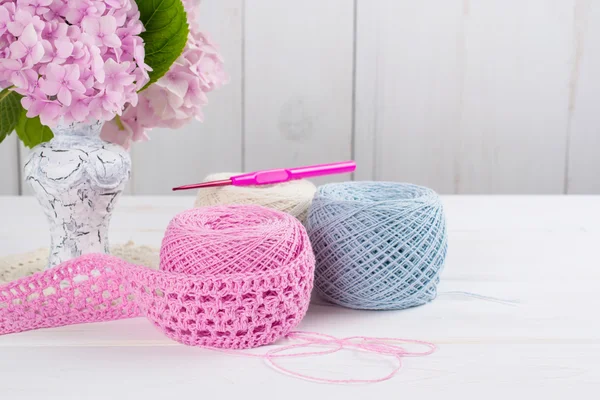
{"x": 584, "y": 101}
{"x": 23, "y": 187}
{"x": 298, "y": 82}
{"x": 465, "y": 96}
{"x": 9, "y": 159}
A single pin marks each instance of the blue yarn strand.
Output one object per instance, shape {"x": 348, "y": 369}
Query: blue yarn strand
{"x": 378, "y": 245}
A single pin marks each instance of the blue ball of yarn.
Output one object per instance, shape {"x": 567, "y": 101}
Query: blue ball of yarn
{"x": 378, "y": 245}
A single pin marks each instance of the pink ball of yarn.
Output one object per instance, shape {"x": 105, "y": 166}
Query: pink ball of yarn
{"x": 231, "y": 277}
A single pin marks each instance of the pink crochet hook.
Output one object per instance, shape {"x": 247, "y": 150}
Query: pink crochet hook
{"x": 278, "y": 175}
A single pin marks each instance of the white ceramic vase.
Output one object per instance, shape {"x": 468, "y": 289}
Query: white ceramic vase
{"x": 77, "y": 179}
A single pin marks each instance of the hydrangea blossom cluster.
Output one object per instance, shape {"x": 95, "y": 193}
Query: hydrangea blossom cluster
{"x": 79, "y": 60}
{"x": 179, "y": 96}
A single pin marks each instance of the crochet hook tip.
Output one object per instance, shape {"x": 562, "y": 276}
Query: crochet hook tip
{"x": 224, "y": 182}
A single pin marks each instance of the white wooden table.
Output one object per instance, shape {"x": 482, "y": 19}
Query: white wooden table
{"x": 541, "y": 251}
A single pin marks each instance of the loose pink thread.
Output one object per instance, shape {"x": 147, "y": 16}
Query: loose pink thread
{"x": 370, "y": 344}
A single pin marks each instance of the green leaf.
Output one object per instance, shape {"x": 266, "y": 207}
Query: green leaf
{"x": 10, "y": 112}
{"x": 165, "y": 36}
{"x": 32, "y": 132}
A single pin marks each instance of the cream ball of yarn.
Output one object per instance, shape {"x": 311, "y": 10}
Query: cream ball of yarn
{"x": 293, "y": 197}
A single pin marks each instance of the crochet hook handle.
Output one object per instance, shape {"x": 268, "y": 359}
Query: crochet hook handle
{"x": 287, "y": 174}
{"x": 278, "y": 175}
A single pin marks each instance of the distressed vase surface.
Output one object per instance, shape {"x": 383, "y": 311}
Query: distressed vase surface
{"x": 77, "y": 178}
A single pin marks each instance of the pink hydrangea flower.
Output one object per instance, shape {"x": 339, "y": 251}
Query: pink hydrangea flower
{"x": 58, "y": 52}
{"x": 116, "y": 75}
{"x": 35, "y": 7}
{"x": 23, "y": 18}
{"x": 67, "y": 59}
{"x": 105, "y": 105}
{"x": 79, "y": 110}
{"x": 28, "y": 46}
{"x": 132, "y": 128}
{"x": 55, "y": 30}
{"x": 103, "y": 30}
{"x": 37, "y": 104}
{"x": 15, "y": 72}
{"x": 61, "y": 81}
{"x": 79, "y": 9}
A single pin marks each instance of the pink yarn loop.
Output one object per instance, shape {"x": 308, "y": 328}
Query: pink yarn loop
{"x": 380, "y": 346}
{"x": 364, "y": 343}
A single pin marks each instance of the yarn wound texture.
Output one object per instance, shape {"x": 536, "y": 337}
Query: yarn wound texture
{"x": 230, "y": 277}
{"x": 378, "y": 245}
{"x": 293, "y": 197}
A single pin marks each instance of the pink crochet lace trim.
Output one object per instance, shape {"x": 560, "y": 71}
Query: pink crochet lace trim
{"x": 194, "y": 310}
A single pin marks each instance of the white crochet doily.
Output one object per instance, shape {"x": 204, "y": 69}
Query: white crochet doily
{"x": 17, "y": 266}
